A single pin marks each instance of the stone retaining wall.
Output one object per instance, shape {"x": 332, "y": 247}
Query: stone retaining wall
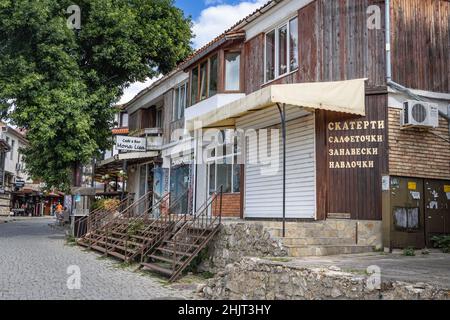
{"x": 238, "y": 239}
{"x": 258, "y": 279}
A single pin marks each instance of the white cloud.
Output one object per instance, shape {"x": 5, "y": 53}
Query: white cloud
{"x": 214, "y": 20}
{"x": 135, "y": 88}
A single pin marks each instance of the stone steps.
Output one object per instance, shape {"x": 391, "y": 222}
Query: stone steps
{"x": 318, "y": 238}
{"x": 325, "y": 250}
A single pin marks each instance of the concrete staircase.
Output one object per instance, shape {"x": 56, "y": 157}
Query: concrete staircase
{"x": 319, "y": 238}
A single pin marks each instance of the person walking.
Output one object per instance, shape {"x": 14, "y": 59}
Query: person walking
{"x": 59, "y": 212}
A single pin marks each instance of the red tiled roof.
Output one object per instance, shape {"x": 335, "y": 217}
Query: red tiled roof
{"x": 120, "y": 131}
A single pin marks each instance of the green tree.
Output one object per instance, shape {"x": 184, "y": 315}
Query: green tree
{"x": 60, "y": 83}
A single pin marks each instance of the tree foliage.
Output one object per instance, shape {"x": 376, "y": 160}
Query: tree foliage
{"x": 60, "y": 83}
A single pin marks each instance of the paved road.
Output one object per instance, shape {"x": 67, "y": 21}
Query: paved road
{"x": 433, "y": 268}
{"x": 34, "y": 261}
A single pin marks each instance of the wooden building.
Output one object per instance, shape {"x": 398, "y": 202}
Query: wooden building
{"x": 342, "y": 71}
{"x": 340, "y": 163}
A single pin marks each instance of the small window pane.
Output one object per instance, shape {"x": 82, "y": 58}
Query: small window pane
{"x": 212, "y": 178}
{"x": 213, "y": 67}
{"x": 124, "y": 121}
{"x": 282, "y": 50}
{"x": 232, "y": 69}
{"x": 176, "y": 101}
{"x": 159, "y": 118}
{"x": 182, "y": 103}
{"x": 224, "y": 172}
{"x": 270, "y": 56}
{"x": 293, "y": 44}
{"x": 236, "y": 178}
{"x": 203, "y": 74}
{"x": 194, "y": 86}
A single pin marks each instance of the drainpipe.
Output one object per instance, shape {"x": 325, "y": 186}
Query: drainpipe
{"x": 282, "y": 110}
{"x": 389, "y": 65}
{"x": 388, "y": 41}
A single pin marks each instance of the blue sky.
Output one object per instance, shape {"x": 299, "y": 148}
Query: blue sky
{"x": 194, "y": 7}
{"x": 191, "y": 7}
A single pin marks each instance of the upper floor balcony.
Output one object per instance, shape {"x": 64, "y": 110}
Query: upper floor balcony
{"x": 211, "y": 104}
{"x": 216, "y": 78}
{"x": 153, "y": 137}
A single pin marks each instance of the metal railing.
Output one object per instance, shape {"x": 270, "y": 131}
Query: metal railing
{"x": 167, "y": 219}
{"x": 196, "y": 233}
{"x": 150, "y": 216}
{"x": 125, "y": 210}
{"x": 97, "y": 218}
{"x": 133, "y": 211}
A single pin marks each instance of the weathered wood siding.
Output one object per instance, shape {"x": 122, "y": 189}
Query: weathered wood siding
{"x": 334, "y": 44}
{"x": 418, "y": 153}
{"x": 352, "y": 190}
{"x": 420, "y": 44}
{"x": 254, "y": 63}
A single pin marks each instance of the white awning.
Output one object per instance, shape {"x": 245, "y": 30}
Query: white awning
{"x": 339, "y": 96}
{"x": 128, "y": 156}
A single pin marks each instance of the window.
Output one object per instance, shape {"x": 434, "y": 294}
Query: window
{"x": 179, "y": 102}
{"x": 270, "y": 56}
{"x": 124, "y": 119}
{"x": 281, "y": 50}
{"x": 203, "y": 83}
{"x": 13, "y": 142}
{"x": 194, "y": 86}
{"x": 213, "y": 74}
{"x": 224, "y": 174}
{"x": 293, "y": 44}
{"x": 204, "y": 80}
{"x": 159, "y": 117}
{"x": 232, "y": 71}
{"x": 224, "y": 170}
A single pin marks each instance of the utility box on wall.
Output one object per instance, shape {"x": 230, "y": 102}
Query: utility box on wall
{"x": 414, "y": 210}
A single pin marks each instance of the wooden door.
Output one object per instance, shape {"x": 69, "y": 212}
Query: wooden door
{"x": 437, "y": 209}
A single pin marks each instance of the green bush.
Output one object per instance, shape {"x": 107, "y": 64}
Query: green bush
{"x": 409, "y": 252}
{"x": 442, "y": 242}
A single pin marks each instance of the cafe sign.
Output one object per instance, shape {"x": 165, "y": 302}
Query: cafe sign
{"x": 131, "y": 144}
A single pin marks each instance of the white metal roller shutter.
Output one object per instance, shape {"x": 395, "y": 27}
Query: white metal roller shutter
{"x": 263, "y": 194}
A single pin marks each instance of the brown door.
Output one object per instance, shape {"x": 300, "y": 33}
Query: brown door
{"x": 437, "y": 209}
{"x": 407, "y": 199}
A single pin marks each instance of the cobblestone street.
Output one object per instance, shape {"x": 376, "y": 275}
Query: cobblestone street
{"x": 33, "y": 265}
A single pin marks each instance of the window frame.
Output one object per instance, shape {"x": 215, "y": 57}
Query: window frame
{"x": 197, "y": 69}
{"x": 177, "y": 106}
{"x": 159, "y": 117}
{"x": 13, "y": 144}
{"x": 224, "y": 72}
{"x": 286, "y": 23}
{"x": 213, "y": 160}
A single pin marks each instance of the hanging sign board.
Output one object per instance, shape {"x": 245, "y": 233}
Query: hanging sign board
{"x": 132, "y": 144}
{"x": 19, "y": 183}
